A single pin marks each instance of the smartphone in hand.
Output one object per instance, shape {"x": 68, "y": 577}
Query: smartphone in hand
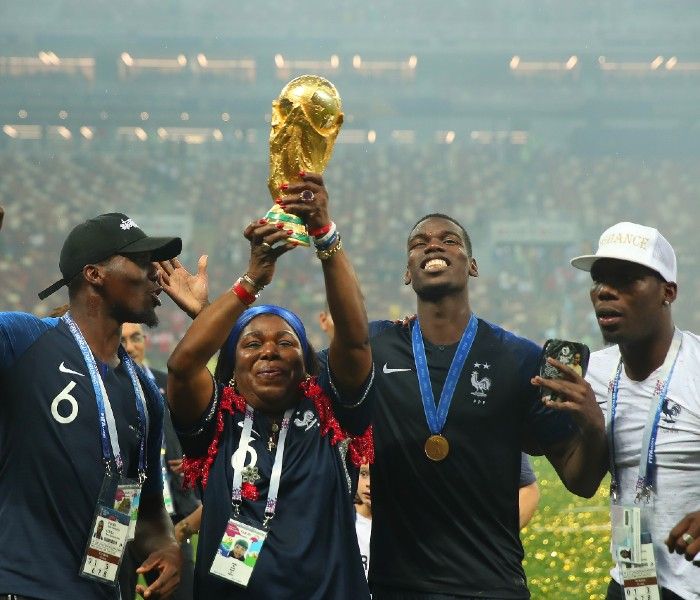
{"x": 574, "y": 355}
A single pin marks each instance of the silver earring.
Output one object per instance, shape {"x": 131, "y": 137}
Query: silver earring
{"x": 666, "y": 303}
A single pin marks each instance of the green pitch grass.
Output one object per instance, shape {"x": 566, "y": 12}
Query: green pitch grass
{"x": 567, "y": 542}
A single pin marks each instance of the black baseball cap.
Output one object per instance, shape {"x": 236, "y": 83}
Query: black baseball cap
{"x": 103, "y": 236}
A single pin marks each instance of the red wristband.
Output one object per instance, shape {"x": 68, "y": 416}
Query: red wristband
{"x": 243, "y": 294}
{"x": 321, "y": 231}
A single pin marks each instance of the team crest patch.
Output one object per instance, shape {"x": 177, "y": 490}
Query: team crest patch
{"x": 670, "y": 411}
{"x": 480, "y": 382}
{"x": 127, "y": 224}
{"x": 307, "y": 421}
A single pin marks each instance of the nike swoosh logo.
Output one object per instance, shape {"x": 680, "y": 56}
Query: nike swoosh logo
{"x": 63, "y": 369}
{"x": 387, "y": 370}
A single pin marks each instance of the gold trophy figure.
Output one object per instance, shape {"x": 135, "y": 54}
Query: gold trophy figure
{"x": 306, "y": 120}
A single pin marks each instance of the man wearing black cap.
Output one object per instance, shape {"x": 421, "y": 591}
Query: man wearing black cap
{"x": 81, "y": 426}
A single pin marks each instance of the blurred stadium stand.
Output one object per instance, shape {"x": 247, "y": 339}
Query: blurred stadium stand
{"x": 536, "y": 124}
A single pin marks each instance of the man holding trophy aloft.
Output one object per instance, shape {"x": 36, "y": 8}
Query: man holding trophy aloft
{"x": 276, "y": 440}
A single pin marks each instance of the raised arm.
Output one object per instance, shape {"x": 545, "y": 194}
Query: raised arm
{"x": 581, "y": 461}
{"x": 349, "y": 355}
{"x": 190, "y": 385}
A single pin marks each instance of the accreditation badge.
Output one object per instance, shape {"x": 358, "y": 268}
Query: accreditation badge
{"x": 167, "y": 491}
{"x": 126, "y": 500}
{"x": 639, "y": 580}
{"x": 626, "y": 533}
{"x": 238, "y": 552}
{"x": 105, "y": 547}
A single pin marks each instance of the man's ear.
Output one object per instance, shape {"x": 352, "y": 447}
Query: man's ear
{"x": 473, "y": 268}
{"x": 407, "y": 278}
{"x": 670, "y": 292}
{"x": 93, "y": 274}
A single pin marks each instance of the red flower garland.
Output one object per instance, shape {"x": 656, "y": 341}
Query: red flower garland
{"x": 360, "y": 448}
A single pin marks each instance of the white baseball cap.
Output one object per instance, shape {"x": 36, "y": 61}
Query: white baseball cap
{"x": 634, "y": 243}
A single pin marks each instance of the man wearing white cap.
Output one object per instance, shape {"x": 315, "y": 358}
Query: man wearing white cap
{"x": 647, "y": 383}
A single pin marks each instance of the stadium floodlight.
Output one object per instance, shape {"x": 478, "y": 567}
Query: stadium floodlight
{"x": 571, "y": 63}
{"x": 10, "y": 131}
{"x": 127, "y": 59}
{"x": 671, "y": 62}
{"x": 279, "y": 61}
{"x": 371, "y": 136}
{"x": 514, "y": 62}
{"x": 357, "y": 61}
{"x": 656, "y": 63}
{"x": 202, "y": 60}
{"x": 86, "y": 132}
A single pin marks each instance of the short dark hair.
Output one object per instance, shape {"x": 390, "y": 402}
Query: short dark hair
{"x": 465, "y": 236}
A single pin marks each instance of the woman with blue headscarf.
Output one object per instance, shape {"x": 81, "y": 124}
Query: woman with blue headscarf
{"x": 277, "y": 436}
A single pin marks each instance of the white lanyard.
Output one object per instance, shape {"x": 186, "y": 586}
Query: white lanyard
{"x": 647, "y": 460}
{"x": 236, "y": 494}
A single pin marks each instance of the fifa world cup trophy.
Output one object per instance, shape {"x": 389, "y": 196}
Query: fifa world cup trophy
{"x": 306, "y": 120}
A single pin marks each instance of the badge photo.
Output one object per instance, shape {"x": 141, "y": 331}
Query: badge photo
{"x": 238, "y": 552}
{"x": 105, "y": 546}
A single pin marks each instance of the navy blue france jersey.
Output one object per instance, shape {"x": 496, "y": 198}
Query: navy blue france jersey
{"x": 451, "y": 527}
{"x": 311, "y": 551}
{"x": 51, "y": 466}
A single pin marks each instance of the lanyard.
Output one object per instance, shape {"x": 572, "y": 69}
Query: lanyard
{"x": 437, "y": 416}
{"x": 647, "y": 461}
{"x": 108, "y": 425}
{"x": 238, "y": 468}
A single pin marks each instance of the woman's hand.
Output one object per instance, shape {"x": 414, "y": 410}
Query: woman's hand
{"x": 307, "y": 199}
{"x": 267, "y": 243}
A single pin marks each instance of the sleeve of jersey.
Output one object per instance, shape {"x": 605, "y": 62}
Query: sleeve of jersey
{"x": 527, "y": 475}
{"x": 196, "y": 440}
{"x": 547, "y": 426}
{"x": 18, "y": 331}
{"x": 353, "y": 413}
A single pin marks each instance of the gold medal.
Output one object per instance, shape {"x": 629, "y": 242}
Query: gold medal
{"x": 437, "y": 447}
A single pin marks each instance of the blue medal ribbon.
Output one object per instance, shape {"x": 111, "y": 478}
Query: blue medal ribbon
{"x": 108, "y": 427}
{"x": 647, "y": 461}
{"x": 437, "y": 416}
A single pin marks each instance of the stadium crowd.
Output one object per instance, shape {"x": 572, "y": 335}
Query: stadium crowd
{"x": 379, "y": 192}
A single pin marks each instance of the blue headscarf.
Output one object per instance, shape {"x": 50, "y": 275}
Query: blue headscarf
{"x": 267, "y": 309}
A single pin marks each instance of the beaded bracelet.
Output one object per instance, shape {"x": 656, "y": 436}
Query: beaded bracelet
{"x": 326, "y": 254}
{"x": 243, "y": 294}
